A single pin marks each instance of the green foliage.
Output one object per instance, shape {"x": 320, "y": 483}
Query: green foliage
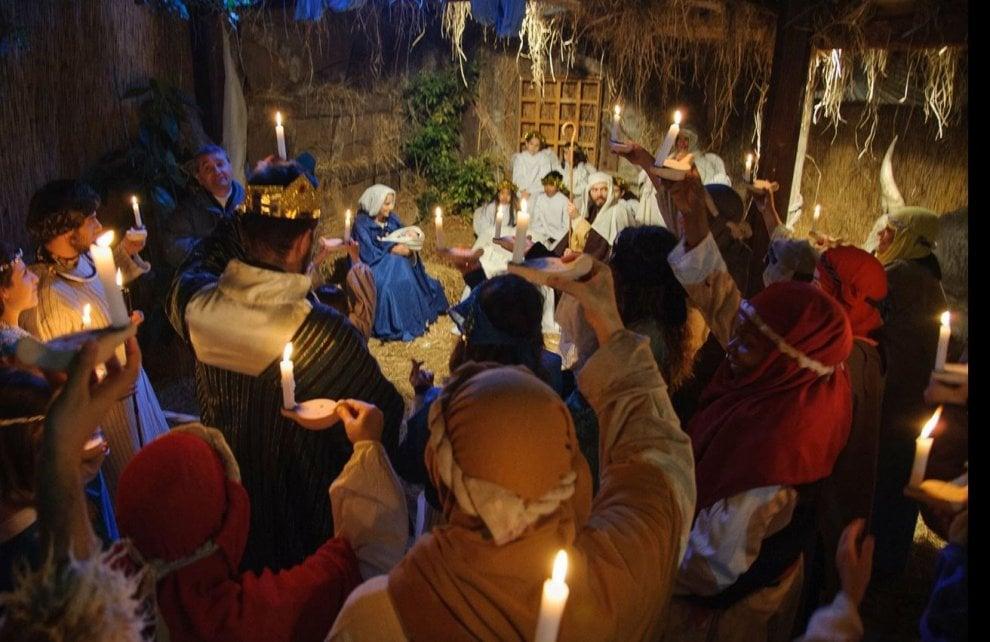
{"x": 152, "y": 164}
{"x": 435, "y": 103}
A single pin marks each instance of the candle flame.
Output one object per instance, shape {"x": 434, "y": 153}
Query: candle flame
{"x": 677, "y": 117}
{"x": 87, "y": 315}
{"x": 120, "y": 279}
{"x": 522, "y": 205}
{"x": 278, "y": 119}
{"x": 930, "y": 425}
{"x": 818, "y": 211}
{"x": 105, "y": 239}
{"x": 438, "y": 213}
{"x": 134, "y": 201}
{"x": 347, "y": 215}
{"x": 287, "y": 353}
{"x": 617, "y": 111}
{"x": 749, "y": 160}
{"x": 560, "y": 566}
{"x": 945, "y": 319}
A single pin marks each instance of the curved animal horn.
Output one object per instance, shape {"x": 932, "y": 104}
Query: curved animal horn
{"x": 890, "y": 196}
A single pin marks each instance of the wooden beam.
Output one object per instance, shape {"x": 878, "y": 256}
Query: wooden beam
{"x": 206, "y": 42}
{"x": 782, "y": 114}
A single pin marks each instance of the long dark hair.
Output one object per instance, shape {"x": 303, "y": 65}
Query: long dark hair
{"x": 8, "y": 254}
{"x": 515, "y": 307}
{"x": 22, "y": 395}
{"x": 646, "y": 289}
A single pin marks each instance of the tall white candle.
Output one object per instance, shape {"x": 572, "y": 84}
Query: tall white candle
{"x": 748, "y": 172}
{"x": 438, "y": 222}
{"x": 814, "y": 217}
{"x": 106, "y": 271}
{"x": 522, "y": 225}
{"x": 499, "y": 216}
{"x": 616, "y": 117}
{"x": 280, "y": 136}
{"x": 288, "y": 378}
{"x": 668, "y": 141}
{"x": 87, "y": 316}
{"x": 138, "y": 223}
{"x": 944, "y": 332}
{"x": 347, "y": 226}
{"x": 555, "y": 593}
{"x": 922, "y": 448}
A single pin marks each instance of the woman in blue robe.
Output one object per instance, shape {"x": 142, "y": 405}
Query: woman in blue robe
{"x": 408, "y": 299}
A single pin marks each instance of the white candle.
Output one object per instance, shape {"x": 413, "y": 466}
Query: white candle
{"x": 106, "y": 271}
{"x": 438, "y": 222}
{"x": 280, "y": 136}
{"x": 668, "y": 141}
{"x": 347, "y": 226}
{"x": 616, "y": 117}
{"x": 138, "y": 223}
{"x": 748, "y": 172}
{"x": 499, "y": 215}
{"x": 555, "y": 592}
{"x": 522, "y": 224}
{"x": 288, "y": 378}
{"x": 922, "y": 448}
{"x": 944, "y": 332}
{"x": 87, "y": 316}
{"x": 815, "y": 216}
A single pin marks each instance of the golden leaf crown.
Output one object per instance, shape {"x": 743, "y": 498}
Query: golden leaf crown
{"x": 297, "y": 200}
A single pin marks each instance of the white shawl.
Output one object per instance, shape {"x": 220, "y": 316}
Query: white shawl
{"x": 374, "y": 197}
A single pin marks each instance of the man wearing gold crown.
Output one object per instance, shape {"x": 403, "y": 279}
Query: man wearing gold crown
{"x": 62, "y": 222}
{"x": 238, "y": 323}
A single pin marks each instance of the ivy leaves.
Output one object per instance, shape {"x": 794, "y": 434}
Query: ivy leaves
{"x": 435, "y": 104}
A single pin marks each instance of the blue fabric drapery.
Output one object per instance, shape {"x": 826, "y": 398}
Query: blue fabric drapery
{"x": 506, "y": 15}
{"x": 313, "y": 10}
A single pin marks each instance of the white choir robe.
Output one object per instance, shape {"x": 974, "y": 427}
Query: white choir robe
{"x": 528, "y": 170}
{"x": 549, "y": 222}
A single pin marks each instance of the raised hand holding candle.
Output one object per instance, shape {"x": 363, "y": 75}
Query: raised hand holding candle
{"x": 280, "y": 136}
{"x": 555, "y": 593}
{"x": 944, "y": 332}
{"x": 748, "y": 172}
{"x": 288, "y": 378}
{"x": 922, "y": 448}
{"x": 438, "y": 222}
{"x": 106, "y": 271}
{"x": 138, "y": 223}
{"x": 522, "y": 225}
{"x": 499, "y": 215}
{"x": 616, "y": 118}
{"x": 668, "y": 141}
{"x": 347, "y": 226}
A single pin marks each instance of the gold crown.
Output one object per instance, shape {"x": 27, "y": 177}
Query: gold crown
{"x": 297, "y": 200}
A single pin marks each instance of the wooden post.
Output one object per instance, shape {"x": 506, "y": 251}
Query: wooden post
{"x": 208, "y": 74}
{"x": 782, "y": 114}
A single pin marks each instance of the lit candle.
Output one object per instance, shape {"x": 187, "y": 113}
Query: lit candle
{"x": 288, "y": 378}
{"x": 138, "y": 223}
{"x": 438, "y": 222}
{"x": 668, "y": 141}
{"x": 347, "y": 226}
{"x": 555, "y": 592}
{"x": 87, "y": 316}
{"x": 522, "y": 224}
{"x": 616, "y": 117}
{"x": 815, "y": 216}
{"x": 748, "y": 172}
{"x": 280, "y": 136}
{"x": 922, "y": 448}
{"x": 106, "y": 271}
{"x": 944, "y": 332}
{"x": 499, "y": 215}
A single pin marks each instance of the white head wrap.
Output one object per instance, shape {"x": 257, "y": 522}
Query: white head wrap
{"x": 373, "y": 199}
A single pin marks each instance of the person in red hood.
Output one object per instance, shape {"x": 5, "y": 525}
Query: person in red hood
{"x": 181, "y": 504}
{"x": 857, "y": 280}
